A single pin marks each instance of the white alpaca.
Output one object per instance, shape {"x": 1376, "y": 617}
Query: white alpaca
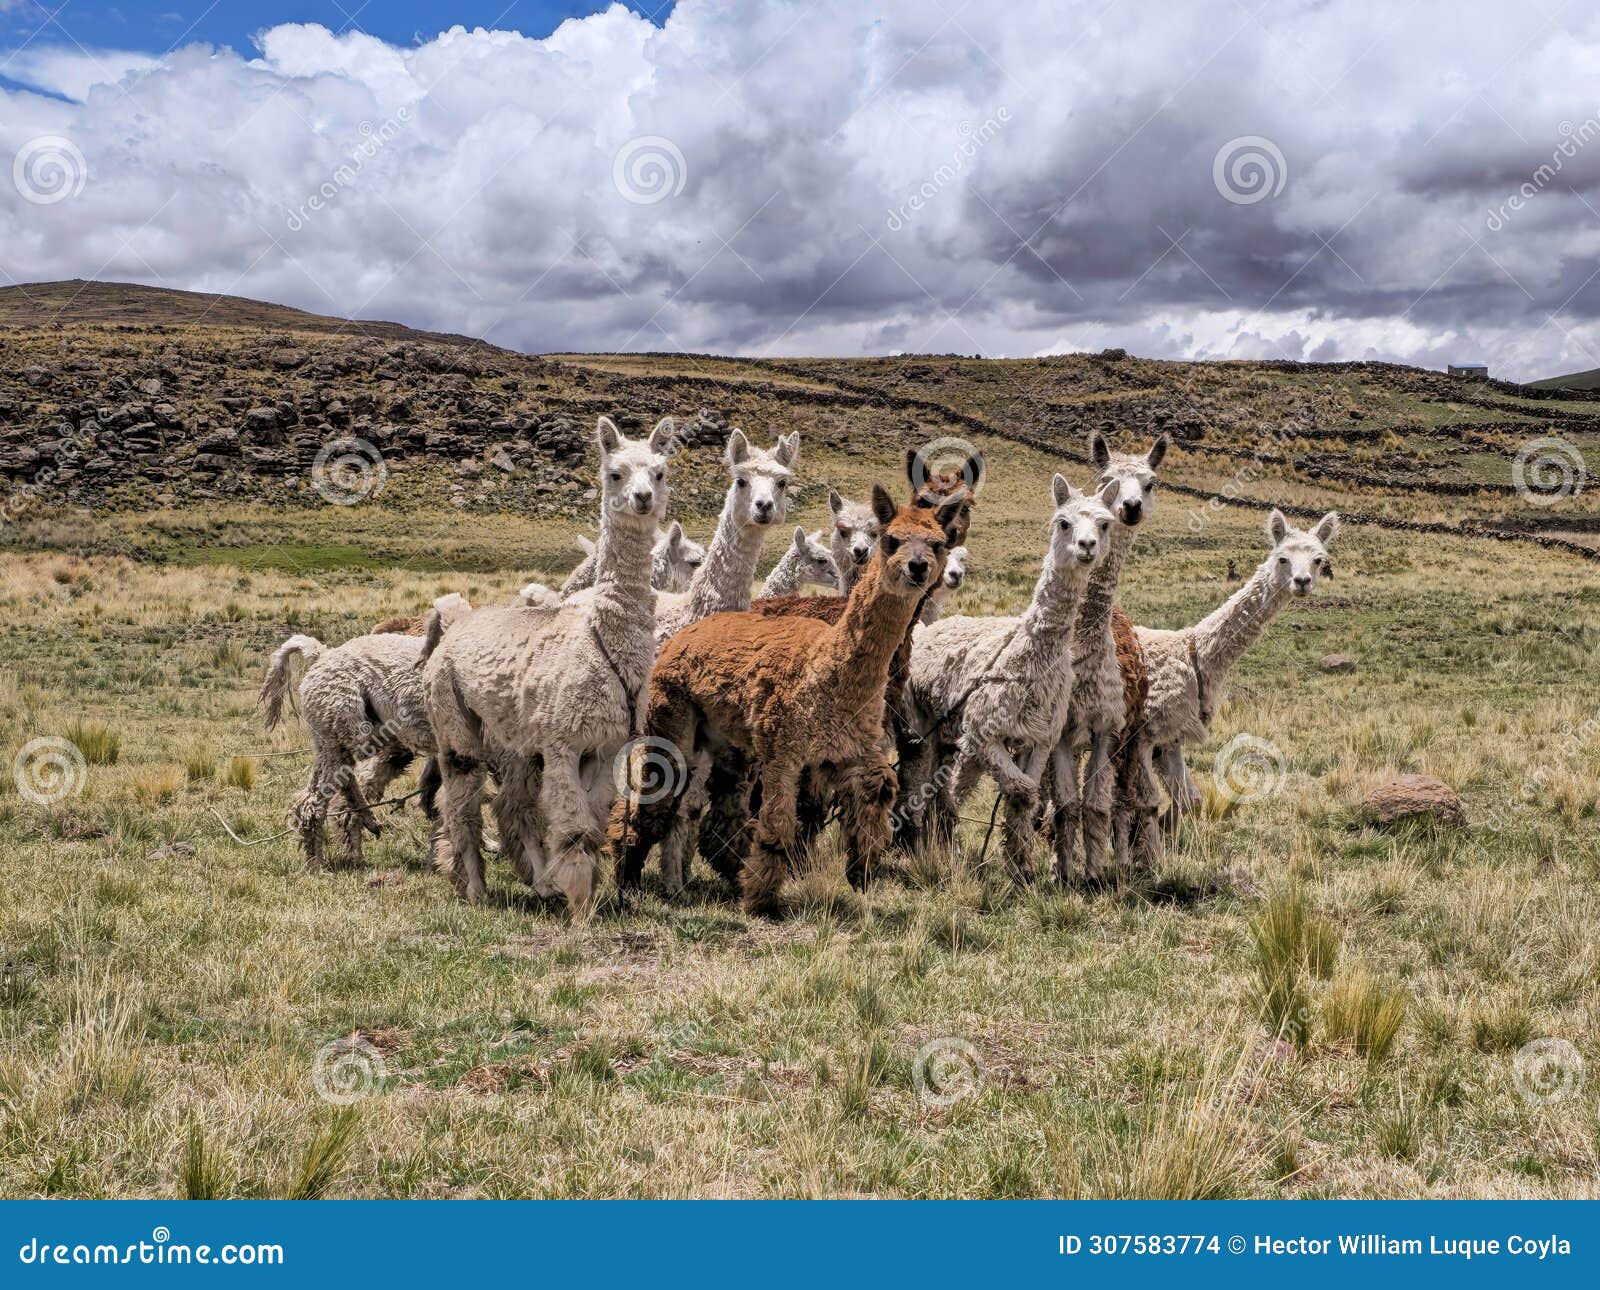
{"x": 854, "y": 538}
{"x": 547, "y": 698}
{"x": 1098, "y": 711}
{"x": 805, "y": 561}
{"x": 1188, "y": 670}
{"x": 955, "y": 573}
{"x": 363, "y": 705}
{"x": 757, "y": 502}
{"x": 673, "y": 560}
{"x": 993, "y": 692}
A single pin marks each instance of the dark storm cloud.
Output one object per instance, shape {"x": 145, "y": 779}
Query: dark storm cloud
{"x": 773, "y": 177}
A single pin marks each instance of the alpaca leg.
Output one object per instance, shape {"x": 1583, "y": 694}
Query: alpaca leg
{"x": 463, "y": 823}
{"x": 640, "y": 819}
{"x": 1021, "y": 813}
{"x": 516, "y": 815}
{"x": 866, "y": 793}
{"x": 681, "y": 831}
{"x": 571, "y": 834}
{"x": 773, "y": 844}
{"x": 1099, "y": 791}
{"x": 372, "y": 779}
{"x": 1068, "y": 815}
{"x": 428, "y": 783}
{"x": 725, "y": 827}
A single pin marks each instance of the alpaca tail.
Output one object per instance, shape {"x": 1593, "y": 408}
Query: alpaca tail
{"x": 275, "y": 689}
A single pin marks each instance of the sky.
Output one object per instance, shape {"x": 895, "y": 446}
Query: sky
{"x": 1302, "y": 179}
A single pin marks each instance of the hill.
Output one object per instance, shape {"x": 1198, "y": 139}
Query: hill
{"x": 134, "y": 397}
{"x": 1589, "y": 380}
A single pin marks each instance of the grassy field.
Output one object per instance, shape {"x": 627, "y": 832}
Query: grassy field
{"x": 184, "y": 1014}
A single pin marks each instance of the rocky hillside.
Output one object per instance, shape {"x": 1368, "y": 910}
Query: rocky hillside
{"x": 134, "y": 397}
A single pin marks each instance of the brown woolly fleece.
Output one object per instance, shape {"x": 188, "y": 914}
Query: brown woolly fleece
{"x": 792, "y": 694}
{"x": 413, "y": 626}
{"x": 1135, "y": 694}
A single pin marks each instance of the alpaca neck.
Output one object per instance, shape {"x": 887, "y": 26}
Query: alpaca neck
{"x": 622, "y": 562}
{"x": 1048, "y": 622}
{"x": 784, "y": 580}
{"x": 722, "y": 582}
{"x": 1222, "y": 636}
{"x": 1100, "y": 595}
{"x": 874, "y": 623}
{"x": 849, "y": 572}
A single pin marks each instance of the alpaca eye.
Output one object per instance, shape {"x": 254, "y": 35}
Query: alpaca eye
{"x": 741, "y": 483}
{"x": 1065, "y": 525}
{"x": 1283, "y": 560}
{"x": 660, "y": 475}
{"x": 1104, "y": 525}
{"x": 1151, "y": 486}
{"x": 936, "y": 547}
{"x": 616, "y": 476}
{"x": 782, "y": 484}
{"x": 890, "y": 545}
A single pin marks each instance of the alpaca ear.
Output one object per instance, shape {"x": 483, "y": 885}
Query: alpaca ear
{"x": 799, "y": 539}
{"x": 1158, "y": 450}
{"x": 1099, "y": 450}
{"x": 882, "y": 504}
{"x": 972, "y": 472}
{"x": 1061, "y": 492}
{"x": 675, "y": 535}
{"x": 1108, "y": 492}
{"x": 585, "y": 545}
{"x": 1277, "y": 527}
{"x": 835, "y": 502}
{"x": 947, "y": 515}
{"x": 664, "y": 436}
{"x": 913, "y": 469}
{"x": 1327, "y": 528}
{"x": 738, "y": 446}
{"x": 788, "y": 448}
{"x": 608, "y": 435}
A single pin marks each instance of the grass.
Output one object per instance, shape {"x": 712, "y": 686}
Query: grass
{"x": 165, "y": 990}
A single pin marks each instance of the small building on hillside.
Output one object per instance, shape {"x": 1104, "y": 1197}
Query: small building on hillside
{"x": 1469, "y": 371}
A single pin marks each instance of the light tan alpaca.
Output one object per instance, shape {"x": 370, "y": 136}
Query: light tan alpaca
{"x": 518, "y": 689}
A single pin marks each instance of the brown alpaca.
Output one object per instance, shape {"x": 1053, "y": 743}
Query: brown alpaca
{"x": 722, "y": 832}
{"x": 791, "y": 695}
{"x": 412, "y": 626}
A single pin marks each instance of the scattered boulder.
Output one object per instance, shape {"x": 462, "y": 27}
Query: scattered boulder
{"x": 1337, "y": 663}
{"x": 1409, "y": 797}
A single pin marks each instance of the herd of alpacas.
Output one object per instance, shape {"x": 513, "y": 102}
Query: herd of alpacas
{"x": 655, "y": 703}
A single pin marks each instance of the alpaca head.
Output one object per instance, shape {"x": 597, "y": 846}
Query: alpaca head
{"x": 932, "y": 487}
{"x": 1080, "y": 526}
{"x": 674, "y": 558}
{"x": 855, "y": 531}
{"x": 633, "y": 473}
{"x": 760, "y": 493}
{"x": 913, "y": 543}
{"x": 1134, "y": 475}
{"x": 1299, "y": 556}
{"x": 816, "y": 561}
{"x": 955, "y": 568}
